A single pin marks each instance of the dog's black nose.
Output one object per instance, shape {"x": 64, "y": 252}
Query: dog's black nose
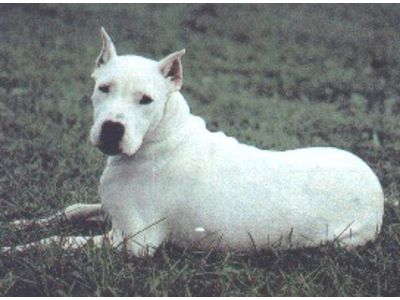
{"x": 110, "y": 137}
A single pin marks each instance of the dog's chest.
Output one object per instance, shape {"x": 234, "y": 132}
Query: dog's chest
{"x": 133, "y": 192}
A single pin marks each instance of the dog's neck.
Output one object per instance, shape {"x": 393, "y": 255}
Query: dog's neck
{"x": 176, "y": 113}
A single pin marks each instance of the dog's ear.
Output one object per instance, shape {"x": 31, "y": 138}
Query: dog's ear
{"x": 108, "y": 50}
{"x": 171, "y": 68}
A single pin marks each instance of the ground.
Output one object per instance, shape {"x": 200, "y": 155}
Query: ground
{"x": 276, "y": 76}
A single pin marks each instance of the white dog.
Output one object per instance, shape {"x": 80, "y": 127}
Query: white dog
{"x": 169, "y": 178}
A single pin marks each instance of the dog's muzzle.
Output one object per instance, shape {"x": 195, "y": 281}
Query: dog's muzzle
{"x": 110, "y": 137}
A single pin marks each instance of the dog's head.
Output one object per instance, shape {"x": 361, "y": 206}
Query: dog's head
{"x": 129, "y": 97}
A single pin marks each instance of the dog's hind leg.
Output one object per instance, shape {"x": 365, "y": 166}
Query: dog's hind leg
{"x": 64, "y": 242}
{"x": 78, "y": 212}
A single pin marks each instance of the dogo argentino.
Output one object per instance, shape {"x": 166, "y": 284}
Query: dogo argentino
{"x": 169, "y": 178}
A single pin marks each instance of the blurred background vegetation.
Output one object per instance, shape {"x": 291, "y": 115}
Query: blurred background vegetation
{"x": 277, "y": 76}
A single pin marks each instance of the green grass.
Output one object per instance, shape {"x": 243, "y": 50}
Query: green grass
{"x": 276, "y": 76}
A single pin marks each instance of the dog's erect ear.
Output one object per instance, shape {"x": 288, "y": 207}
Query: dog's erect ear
{"x": 108, "y": 50}
{"x": 171, "y": 68}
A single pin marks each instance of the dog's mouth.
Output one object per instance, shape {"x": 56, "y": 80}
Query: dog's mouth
{"x": 109, "y": 149}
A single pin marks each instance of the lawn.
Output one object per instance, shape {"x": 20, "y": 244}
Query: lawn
{"x": 276, "y": 76}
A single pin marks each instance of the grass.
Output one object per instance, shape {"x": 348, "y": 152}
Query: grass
{"x": 277, "y": 76}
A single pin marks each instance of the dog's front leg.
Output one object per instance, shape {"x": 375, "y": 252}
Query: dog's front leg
{"x": 84, "y": 212}
{"x": 78, "y": 212}
{"x": 64, "y": 242}
{"x": 142, "y": 242}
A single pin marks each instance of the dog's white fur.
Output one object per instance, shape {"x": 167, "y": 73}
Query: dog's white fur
{"x": 176, "y": 180}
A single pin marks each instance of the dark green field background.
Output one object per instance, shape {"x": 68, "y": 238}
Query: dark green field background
{"x": 276, "y": 76}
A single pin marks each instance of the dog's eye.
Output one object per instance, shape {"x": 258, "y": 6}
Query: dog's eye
{"x": 145, "y": 100}
{"x": 104, "y": 88}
